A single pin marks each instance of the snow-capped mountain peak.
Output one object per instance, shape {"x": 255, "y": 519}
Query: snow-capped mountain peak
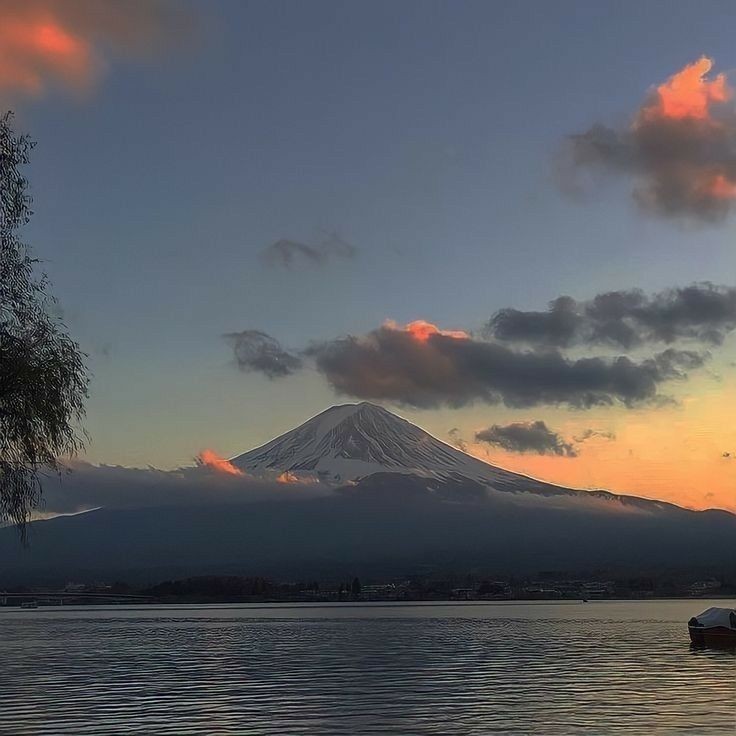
{"x": 352, "y": 441}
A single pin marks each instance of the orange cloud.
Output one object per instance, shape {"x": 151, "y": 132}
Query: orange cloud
{"x": 720, "y": 187}
{"x": 688, "y": 94}
{"x": 66, "y": 43}
{"x": 421, "y": 330}
{"x": 680, "y": 147}
{"x": 36, "y": 48}
{"x": 210, "y": 459}
{"x": 287, "y": 477}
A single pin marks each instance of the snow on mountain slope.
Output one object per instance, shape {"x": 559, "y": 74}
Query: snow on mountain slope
{"x": 353, "y": 441}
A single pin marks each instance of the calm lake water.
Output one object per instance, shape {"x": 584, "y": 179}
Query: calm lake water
{"x": 598, "y": 668}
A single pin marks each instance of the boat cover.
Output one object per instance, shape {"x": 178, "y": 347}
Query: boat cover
{"x": 712, "y": 617}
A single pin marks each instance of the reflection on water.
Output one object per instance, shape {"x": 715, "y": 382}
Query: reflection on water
{"x": 455, "y": 669}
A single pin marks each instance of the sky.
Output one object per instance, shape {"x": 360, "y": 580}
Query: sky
{"x": 242, "y": 205}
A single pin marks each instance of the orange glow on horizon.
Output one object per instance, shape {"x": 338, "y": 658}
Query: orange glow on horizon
{"x": 210, "y": 459}
{"x": 421, "y": 330}
{"x": 684, "y": 454}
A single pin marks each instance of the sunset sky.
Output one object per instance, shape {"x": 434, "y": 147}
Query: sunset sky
{"x": 253, "y": 210}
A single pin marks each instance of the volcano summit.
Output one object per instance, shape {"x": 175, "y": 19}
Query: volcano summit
{"x": 353, "y": 441}
{"x": 364, "y": 443}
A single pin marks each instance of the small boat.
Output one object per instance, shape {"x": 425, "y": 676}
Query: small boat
{"x": 713, "y": 627}
{"x": 29, "y": 604}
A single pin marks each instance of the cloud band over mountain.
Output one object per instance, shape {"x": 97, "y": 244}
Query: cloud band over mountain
{"x": 116, "y": 487}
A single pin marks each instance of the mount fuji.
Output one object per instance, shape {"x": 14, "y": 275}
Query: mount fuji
{"x": 365, "y": 444}
{"x": 375, "y": 494}
{"x": 353, "y": 441}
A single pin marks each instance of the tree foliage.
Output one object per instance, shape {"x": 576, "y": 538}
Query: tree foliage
{"x": 43, "y": 379}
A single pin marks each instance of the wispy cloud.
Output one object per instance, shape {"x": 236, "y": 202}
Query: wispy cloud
{"x": 590, "y": 434}
{"x": 257, "y": 352}
{"x": 288, "y": 254}
{"x": 457, "y": 440}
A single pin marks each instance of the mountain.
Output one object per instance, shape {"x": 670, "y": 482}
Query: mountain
{"x": 353, "y": 441}
{"x": 392, "y": 500}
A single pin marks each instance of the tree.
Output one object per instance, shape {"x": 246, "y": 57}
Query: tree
{"x": 43, "y": 378}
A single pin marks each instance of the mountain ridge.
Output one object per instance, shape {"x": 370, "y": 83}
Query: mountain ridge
{"x": 349, "y": 443}
{"x": 392, "y": 504}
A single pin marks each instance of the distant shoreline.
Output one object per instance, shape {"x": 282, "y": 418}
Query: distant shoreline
{"x": 322, "y": 604}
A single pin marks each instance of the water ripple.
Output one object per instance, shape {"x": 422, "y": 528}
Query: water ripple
{"x": 418, "y": 670}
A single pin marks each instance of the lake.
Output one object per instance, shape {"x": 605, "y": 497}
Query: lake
{"x": 617, "y": 667}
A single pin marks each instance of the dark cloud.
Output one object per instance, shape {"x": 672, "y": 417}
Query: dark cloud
{"x": 534, "y": 437}
{"x": 559, "y": 326}
{"x": 518, "y": 360}
{"x": 290, "y": 253}
{"x": 703, "y": 313}
{"x": 674, "y": 364}
{"x": 392, "y": 364}
{"x": 679, "y": 150}
{"x": 258, "y": 352}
